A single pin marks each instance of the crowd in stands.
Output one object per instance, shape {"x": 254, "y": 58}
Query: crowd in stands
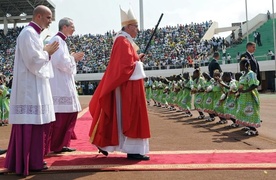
{"x": 172, "y": 47}
{"x": 7, "y": 50}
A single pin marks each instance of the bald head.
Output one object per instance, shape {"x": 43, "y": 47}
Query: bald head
{"x": 41, "y": 9}
{"x": 42, "y": 15}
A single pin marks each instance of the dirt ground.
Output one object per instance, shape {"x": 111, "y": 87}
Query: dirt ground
{"x": 171, "y": 131}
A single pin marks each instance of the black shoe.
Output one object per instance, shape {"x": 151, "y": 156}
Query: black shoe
{"x": 67, "y": 149}
{"x": 2, "y": 151}
{"x": 138, "y": 157}
{"x": 103, "y": 151}
{"x": 245, "y": 128}
{"x": 45, "y": 167}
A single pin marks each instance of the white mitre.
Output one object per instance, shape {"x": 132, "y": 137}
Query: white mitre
{"x": 127, "y": 17}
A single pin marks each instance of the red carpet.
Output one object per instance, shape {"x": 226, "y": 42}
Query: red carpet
{"x": 168, "y": 161}
{"x": 82, "y": 129}
{"x": 87, "y": 158}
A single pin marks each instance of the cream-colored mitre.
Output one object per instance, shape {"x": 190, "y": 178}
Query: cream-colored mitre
{"x": 127, "y": 17}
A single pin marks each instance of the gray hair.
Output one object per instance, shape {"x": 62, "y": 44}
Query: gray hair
{"x": 64, "y": 21}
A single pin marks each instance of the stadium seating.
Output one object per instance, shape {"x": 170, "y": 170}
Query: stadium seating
{"x": 168, "y": 50}
{"x": 266, "y": 31}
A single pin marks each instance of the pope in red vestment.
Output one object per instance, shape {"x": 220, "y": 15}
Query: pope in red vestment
{"x": 103, "y": 107}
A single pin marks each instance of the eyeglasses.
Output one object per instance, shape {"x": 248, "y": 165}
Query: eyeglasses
{"x": 73, "y": 27}
{"x": 135, "y": 25}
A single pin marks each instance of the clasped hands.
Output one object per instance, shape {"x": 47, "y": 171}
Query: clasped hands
{"x": 51, "y": 48}
{"x": 77, "y": 56}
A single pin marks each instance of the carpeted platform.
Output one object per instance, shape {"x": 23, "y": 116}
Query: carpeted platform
{"x": 178, "y": 160}
{"x": 87, "y": 158}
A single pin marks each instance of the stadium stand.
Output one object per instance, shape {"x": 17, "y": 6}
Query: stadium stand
{"x": 169, "y": 49}
{"x": 266, "y": 31}
{"x": 7, "y": 49}
{"x": 173, "y": 49}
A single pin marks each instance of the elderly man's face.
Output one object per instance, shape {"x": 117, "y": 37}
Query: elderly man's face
{"x": 133, "y": 30}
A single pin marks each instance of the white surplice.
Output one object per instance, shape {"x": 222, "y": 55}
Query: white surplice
{"x": 31, "y": 98}
{"x": 63, "y": 85}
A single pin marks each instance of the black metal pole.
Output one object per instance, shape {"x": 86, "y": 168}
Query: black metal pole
{"x": 153, "y": 33}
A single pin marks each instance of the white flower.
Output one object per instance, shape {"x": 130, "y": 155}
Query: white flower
{"x": 209, "y": 88}
{"x": 199, "y": 87}
{"x": 233, "y": 87}
{"x": 222, "y": 97}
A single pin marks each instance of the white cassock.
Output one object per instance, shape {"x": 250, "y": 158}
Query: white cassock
{"x": 31, "y": 98}
{"x": 63, "y": 85}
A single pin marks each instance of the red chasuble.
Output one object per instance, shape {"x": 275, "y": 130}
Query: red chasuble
{"x": 135, "y": 123}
